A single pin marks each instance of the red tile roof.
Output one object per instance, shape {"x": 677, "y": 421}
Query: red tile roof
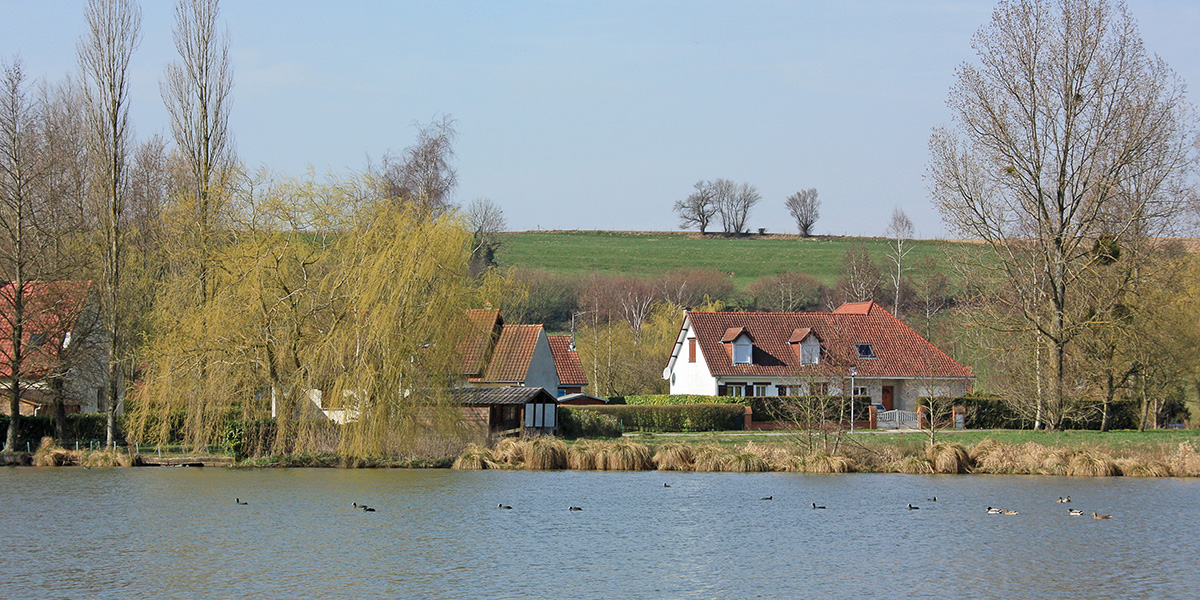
{"x": 566, "y": 362}
{"x": 52, "y": 310}
{"x": 473, "y": 348}
{"x": 512, "y": 354}
{"x": 900, "y": 351}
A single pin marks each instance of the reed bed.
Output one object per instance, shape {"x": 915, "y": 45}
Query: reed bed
{"x": 948, "y": 458}
{"x": 1091, "y": 463}
{"x": 623, "y": 455}
{"x": 745, "y": 462}
{"x": 821, "y": 462}
{"x": 708, "y": 458}
{"x": 475, "y": 457}
{"x": 673, "y": 456}
{"x": 915, "y": 465}
{"x": 1132, "y": 467}
{"x": 545, "y": 453}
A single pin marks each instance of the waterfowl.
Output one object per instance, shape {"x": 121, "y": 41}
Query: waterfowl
{"x": 911, "y": 507}
{"x": 768, "y": 498}
{"x": 933, "y": 499}
{"x": 1096, "y": 516}
{"x": 995, "y": 511}
{"x": 666, "y": 485}
{"x": 239, "y": 501}
{"x": 1068, "y": 499}
{"x": 366, "y": 508}
{"x": 1075, "y": 512}
{"x": 1010, "y": 512}
{"x": 815, "y": 505}
{"x": 574, "y": 508}
{"x": 504, "y": 507}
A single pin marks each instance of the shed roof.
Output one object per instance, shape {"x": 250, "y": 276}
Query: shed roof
{"x": 502, "y": 395}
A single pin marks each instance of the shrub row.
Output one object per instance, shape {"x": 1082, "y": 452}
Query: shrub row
{"x": 657, "y": 418}
{"x": 81, "y": 427}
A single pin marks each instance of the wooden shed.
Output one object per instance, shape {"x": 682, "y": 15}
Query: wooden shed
{"x": 509, "y": 410}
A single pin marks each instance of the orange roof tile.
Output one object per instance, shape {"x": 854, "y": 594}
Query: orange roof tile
{"x": 473, "y": 347}
{"x": 52, "y": 310}
{"x": 512, "y": 354}
{"x": 566, "y": 362}
{"x": 900, "y": 351}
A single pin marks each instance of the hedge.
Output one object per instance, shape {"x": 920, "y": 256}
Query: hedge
{"x": 82, "y": 427}
{"x": 662, "y": 419}
{"x": 580, "y": 422}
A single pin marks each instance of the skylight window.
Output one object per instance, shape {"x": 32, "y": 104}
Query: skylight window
{"x": 37, "y": 339}
{"x": 865, "y": 351}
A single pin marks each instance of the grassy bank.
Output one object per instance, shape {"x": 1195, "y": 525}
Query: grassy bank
{"x": 1134, "y": 454}
{"x": 649, "y": 254}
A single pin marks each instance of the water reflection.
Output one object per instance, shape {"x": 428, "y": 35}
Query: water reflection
{"x": 152, "y": 533}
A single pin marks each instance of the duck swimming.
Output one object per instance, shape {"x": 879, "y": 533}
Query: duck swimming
{"x": 995, "y": 511}
{"x": 815, "y": 506}
{"x": 911, "y": 507}
{"x": 769, "y": 498}
{"x": 574, "y": 508}
{"x": 1010, "y": 512}
{"x": 1074, "y": 512}
{"x": 1096, "y": 516}
{"x": 504, "y": 507}
{"x": 239, "y": 501}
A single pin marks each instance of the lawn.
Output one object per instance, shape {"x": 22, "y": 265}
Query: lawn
{"x": 647, "y": 254}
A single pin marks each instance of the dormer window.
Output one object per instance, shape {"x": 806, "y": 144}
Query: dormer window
{"x": 743, "y": 350}
{"x": 741, "y": 345}
{"x": 37, "y": 339}
{"x": 865, "y": 351}
{"x": 806, "y": 346}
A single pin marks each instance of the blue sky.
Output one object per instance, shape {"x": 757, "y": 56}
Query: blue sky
{"x": 595, "y": 115}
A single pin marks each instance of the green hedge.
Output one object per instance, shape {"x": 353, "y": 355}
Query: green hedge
{"x": 577, "y": 422}
{"x": 673, "y": 418}
{"x": 80, "y": 427}
{"x": 764, "y": 408}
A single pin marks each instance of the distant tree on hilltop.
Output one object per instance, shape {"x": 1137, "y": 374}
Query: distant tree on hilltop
{"x": 805, "y": 208}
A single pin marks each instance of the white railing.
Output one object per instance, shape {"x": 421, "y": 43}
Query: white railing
{"x": 898, "y": 419}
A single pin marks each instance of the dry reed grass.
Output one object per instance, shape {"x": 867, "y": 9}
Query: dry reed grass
{"x": 623, "y": 455}
{"x": 1132, "y": 467}
{"x": 745, "y": 462}
{"x": 581, "y": 456}
{"x": 106, "y": 458}
{"x": 708, "y": 458}
{"x": 778, "y": 458}
{"x": 915, "y": 465}
{"x": 821, "y": 462}
{"x": 1184, "y": 461}
{"x": 673, "y": 456}
{"x": 1092, "y": 463}
{"x": 510, "y": 451}
{"x": 545, "y": 453}
{"x": 948, "y": 458}
{"x": 475, "y": 457}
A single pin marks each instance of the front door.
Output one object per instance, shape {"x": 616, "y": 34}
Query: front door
{"x": 886, "y": 399}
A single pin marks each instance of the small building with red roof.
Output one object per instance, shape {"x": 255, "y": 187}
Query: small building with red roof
{"x": 62, "y": 352}
{"x": 796, "y": 354}
{"x": 496, "y": 354}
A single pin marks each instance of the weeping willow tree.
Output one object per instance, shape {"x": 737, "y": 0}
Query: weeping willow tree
{"x": 320, "y": 300}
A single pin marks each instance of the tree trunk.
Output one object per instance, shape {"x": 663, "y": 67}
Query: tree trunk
{"x": 60, "y": 411}
{"x": 14, "y": 405}
{"x": 1106, "y": 408}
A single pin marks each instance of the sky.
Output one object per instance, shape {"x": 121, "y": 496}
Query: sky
{"x": 594, "y": 115}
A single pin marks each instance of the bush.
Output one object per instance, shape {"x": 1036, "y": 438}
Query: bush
{"x": 990, "y": 412}
{"x": 82, "y": 427}
{"x": 685, "y": 418}
{"x": 580, "y": 422}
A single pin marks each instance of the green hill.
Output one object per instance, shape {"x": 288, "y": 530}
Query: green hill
{"x": 646, "y": 254}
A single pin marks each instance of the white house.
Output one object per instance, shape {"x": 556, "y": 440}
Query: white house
{"x": 782, "y": 354}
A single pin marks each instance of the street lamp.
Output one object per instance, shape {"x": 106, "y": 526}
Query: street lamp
{"x": 853, "y": 372}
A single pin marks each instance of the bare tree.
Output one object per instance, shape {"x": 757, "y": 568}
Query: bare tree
{"x": 899, "y": 232}
{"x": 21, "y": 169}
{"x": 860, "y": 277}
{"x": 1067, "y": 130}
{"x": 486, "y": 221}
{"x": 734, "y": 202}
{"x": 113, "y": 30}
{"x": 196, "y": 92}
{"x": 806, "y": 209}
{"x": 699, "y": 208}
{"x": 424, "y": 175}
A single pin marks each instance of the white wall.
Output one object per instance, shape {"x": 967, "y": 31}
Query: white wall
{"x": 691, "y": 377}
{"x": 541, "y": 367}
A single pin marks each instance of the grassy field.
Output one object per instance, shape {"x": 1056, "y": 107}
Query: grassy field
{"x": 646, "y": 254}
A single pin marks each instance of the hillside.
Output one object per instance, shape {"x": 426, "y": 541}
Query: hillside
{"x": 650, "y": 253}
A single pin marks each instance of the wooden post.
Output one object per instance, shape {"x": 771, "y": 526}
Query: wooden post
{"x": 873, "y": 419}
{"x": 748, "y": 417}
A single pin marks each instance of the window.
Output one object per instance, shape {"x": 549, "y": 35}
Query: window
{"x": 742, "y": 351}
{"x": 861, "y": 391}
{"x": 760, "y": 389}
{"x": 810, "y": 351}
{"x": 37, "y": 339}
{"x": 691, "y": 350}
{"x": 865, "y": 350}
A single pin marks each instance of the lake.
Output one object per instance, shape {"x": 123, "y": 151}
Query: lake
{"x": 177, "y": 533}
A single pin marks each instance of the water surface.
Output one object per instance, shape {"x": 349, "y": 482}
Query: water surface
{"x": 177, "y": 533}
